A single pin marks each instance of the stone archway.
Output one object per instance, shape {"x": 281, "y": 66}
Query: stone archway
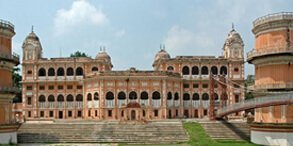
{"x": 134, "y": 111}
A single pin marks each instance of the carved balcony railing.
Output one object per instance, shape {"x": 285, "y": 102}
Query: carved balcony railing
{"x": 186, "y": 103}
{"x": 69, "y": 104}
{"x": 268, "y": 51}
{"x": 96, "y": 104}
{"x": 79, "y": 104}
{"x": 170, "y": 103}
{"x": 110, "y": 103}
{"x": 42, "y": 105}
{"x": 144, "y": 102}
{"x": 121, "y": 102}
{"x": 6, "y": 24}
{"x": 4, "y": 89}
{"x": 273, "y": 17}
{"x": 51, "y": 104}
{"x": 196, "y": 104}
{"x": 60, "y": 105}
{"x": 156, "y": 102}
{"x": 205, "y": 104}
{"x": 273, "y": 86}
{"x": 177, "y": 103}
{"x": 10, "y": 57}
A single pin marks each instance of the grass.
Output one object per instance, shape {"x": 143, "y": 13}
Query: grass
{"x": 198, "y": 137}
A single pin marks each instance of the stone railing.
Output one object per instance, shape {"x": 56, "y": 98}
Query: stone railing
{"x": 60, "y": 104}
{"x": 96, "y": 104}
{"x": 176, "y": 103}
{"x": 9, "y": 89}
{"x": 273, "y": 17}
{"x": 13, "y": 57}
{"x": 121, "y": 102}
{"x": 144, "y": 102}
{"x": 170, "y": 103}
{"x": 186, "y": 103}
{"x": 51, "y": 104}
{"x": 42, "y": 105}
{"x": 156, "y": 102}
{"x": 69, "y": 104}
{"x": 196, "y": 104}
{"x": 79, "y": 104}
{"x": 109, "y": 103}
{"x": 205, "y": 104}
{"x": 6, "y": 24}
{"x": 255, "y": 53}
{"x": 274, "y": 86}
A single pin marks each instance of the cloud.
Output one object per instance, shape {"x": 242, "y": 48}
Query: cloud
{"x": 183, "y": 41}
{"x": 81, "y": 13}
{"x": 120, "y": 33}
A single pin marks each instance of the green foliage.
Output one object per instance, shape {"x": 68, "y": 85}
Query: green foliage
{"x": 16, "y": 77}
{"x": 249, "y": 82}
{"x": 79, "y": 54}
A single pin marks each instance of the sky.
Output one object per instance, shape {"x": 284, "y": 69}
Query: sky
{"x": 133, "y": 30}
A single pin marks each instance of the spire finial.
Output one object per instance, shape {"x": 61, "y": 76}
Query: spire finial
{"x": 232, "y": 26}
{"x": 163, "y": 46}
{"x": 160, "y": 46}
{"x": 32, "y": 28}
{"x": 100, "y": 48}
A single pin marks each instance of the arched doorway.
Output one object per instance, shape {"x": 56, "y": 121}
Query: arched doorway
{"x": 133, "y": 116}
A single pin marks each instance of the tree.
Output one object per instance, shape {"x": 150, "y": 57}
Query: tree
{"x": 79, "y": 54}
{"x": 16, "y": 78}
{"x": 249, "y": 82}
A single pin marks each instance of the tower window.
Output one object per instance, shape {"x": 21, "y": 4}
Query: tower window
{"x": 236, "y": 69}
{"x": 29, "y": 72}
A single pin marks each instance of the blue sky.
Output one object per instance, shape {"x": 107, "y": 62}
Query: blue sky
{"x": 132, "y": 30}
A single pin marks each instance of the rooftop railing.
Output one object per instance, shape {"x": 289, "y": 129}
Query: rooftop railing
{"x": 6, "y": 24}
{"x": 277, "y": 50}
{"x": 274, "y": 86}
{"x": 273, "y": 17}
{"x": 13, "y": 57}
{"x": 4, "y": 89}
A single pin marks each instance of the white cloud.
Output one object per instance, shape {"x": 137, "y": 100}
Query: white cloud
{"x": 120, "y": 33}
{"x": 81, "y": 13}
{"x": 183, "y": 41}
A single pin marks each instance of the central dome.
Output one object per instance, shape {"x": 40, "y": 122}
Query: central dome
{"x": 103, "y": 55}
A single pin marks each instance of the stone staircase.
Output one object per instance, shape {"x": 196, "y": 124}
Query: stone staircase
{"x": 103, "y": 132}
{"x": 222, "y": 130}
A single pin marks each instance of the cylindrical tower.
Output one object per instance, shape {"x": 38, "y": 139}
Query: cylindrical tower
{"x": 7, "y": 61}
{"x": 273, "y": 61}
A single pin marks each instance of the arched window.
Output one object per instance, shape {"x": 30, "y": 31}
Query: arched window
{"x": 42, "y": 72}
{"x": 144, "y": 95}
{"x": 79, "y": 97}
{"x": 42, "y": 98}
{"x": 223, "y": 70}
{"x": 69, "y": 98}
{"x": 214, "y": 70}
{"x": 195, "y": 96}
{"x": 79, "y": 71}
{"x": 205, "y": 96}
{"x": 121, "y": 96}
{"x": 109, "y": 96}
{"x": 95, "y": 69}
{"x": 89, "y": 97}
{"x": 195, "y": 70}
{"x": 169, "y": 96}
{"x": 69, "y": 71}
{"x": 170, "y": 68}
{"x": 96, "y": 96}
{"x": 185, "y": 70}
{"x": 186, "y": 96}
{"x": 60, "y": 71}
{"x": 204, "y": 70}
{"x": 156, "y": 95}
{"x": 51, "y": 98}
{"x": 60, "y": 98}
{"x": 132, "y": 95}
{"x": 176, "y": 96}
{"x": 51, "y": 72}
{"x": 216, "y": 97}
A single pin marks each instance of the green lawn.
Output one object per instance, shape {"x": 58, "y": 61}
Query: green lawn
{"x": 198, "y": 137}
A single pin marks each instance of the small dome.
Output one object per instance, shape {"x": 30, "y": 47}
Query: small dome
{"x": 162, "y": 54}
{"x": 32, "y": 36}
{"x": 103, "y": 55}
{"x": 233, "y": 37}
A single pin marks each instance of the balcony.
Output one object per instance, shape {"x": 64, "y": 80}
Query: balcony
{"x": 268, "y": 51}
{"x": 144, "y": 102}
{"x": 69, "y": 104}
{"x": 109, "y": 103}
{"x": 60, "y": 105}
{"x": 186, "y": 103}
{"x": 121, "y": 102}
{"x": 79, "y": 104}
{"x": 9, "y": 89}
{"x": 170, "y": 103}
{"x": 177, "y": 103}
{"x": 13, "y": 58}
{"x": 156, "y": 103}
{"x": 6, "y": 24}
{"x": 196, "y": 104}
{"x": 273, "y": 86}
{"x": 51, "y": 104}
{"x": 205, "y": 104}
{"x": 273, "y": 17}
{"x": 42, "y": 105}
{"x": 96, "y": 104}
{"x": 89, "y": 104}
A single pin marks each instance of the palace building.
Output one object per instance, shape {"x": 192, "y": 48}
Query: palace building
{"x": 88, "y": 88}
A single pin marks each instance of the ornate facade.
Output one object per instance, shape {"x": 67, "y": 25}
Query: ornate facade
{"x": 88, "y": 88}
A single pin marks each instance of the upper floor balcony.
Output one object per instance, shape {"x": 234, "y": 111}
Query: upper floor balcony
{"x": 268, "y": 51}
{"x": 273, "y": 86}
{"x": 4, "y": 89}
{"x": 7, "y": 25}
{"x": 10, "y": 57}
{"x": 273, "y": 17}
